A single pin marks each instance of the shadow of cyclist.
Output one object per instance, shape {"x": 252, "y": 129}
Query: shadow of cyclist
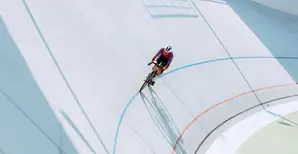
{"x": 162, "y": 119}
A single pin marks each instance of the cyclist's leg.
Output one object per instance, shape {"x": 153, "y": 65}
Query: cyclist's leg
{"x": 159, "y": 72}
{"x": 158, "y": 61}
{"x": 163, "y": 65}
{"x": 154, "y": 67}
{"x": 163, "y": 69}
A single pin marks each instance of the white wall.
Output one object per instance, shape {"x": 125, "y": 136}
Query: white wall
{"x": 289, "y": 6}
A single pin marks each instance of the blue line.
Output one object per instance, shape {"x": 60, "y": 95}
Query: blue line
{"x": 222, "y": 59}
{"x": 174, "y": 16}
{"x": 167, "y": 6}
{"x": 184, "y": 67}
{"x": 120, "y": 121}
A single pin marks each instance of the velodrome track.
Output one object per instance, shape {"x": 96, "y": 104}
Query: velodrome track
{"x": 72, "y": 70}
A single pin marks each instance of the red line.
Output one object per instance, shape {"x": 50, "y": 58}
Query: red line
{"x": 220, "y": 103}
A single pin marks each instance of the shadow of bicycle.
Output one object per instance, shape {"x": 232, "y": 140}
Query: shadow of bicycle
{"x": 162, "y": 119}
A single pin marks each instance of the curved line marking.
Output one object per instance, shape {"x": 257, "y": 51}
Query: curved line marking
{"x": 120, "y": 121}
{"x": 246, "y": 110}
{"x": 184, "y": 67}
{"x": 224, "y": 59}
{"x": 220, "y": 103}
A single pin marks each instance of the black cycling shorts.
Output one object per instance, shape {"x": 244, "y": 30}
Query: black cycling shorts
{"x": 162, "y": 61}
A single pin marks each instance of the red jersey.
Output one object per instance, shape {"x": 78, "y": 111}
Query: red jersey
{"x": 168, "y": 56}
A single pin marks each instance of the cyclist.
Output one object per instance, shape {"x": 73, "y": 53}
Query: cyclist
{"x": 163, "y": 57}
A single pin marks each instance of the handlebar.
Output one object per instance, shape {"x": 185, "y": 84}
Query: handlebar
{"x": 154, "y": 64}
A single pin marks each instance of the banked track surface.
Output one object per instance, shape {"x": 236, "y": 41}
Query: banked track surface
{"x": 214, "y": 106}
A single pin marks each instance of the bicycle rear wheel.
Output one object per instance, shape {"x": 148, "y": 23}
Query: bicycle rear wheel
{"x": 143, "y": 86}
{"x": 149, "y": 78}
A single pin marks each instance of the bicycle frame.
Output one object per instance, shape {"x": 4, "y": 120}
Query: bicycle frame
{"x": 151, "y": 75}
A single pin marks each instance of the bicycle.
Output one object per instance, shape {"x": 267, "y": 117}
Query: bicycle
{"x": 150, "y": 76}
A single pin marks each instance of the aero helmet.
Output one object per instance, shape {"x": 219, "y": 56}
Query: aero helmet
{"x": 168, "y": 49}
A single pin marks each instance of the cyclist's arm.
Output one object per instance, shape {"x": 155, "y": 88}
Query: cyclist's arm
{"x": 169, "y": 62}
{"x": 157, "y": 54}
